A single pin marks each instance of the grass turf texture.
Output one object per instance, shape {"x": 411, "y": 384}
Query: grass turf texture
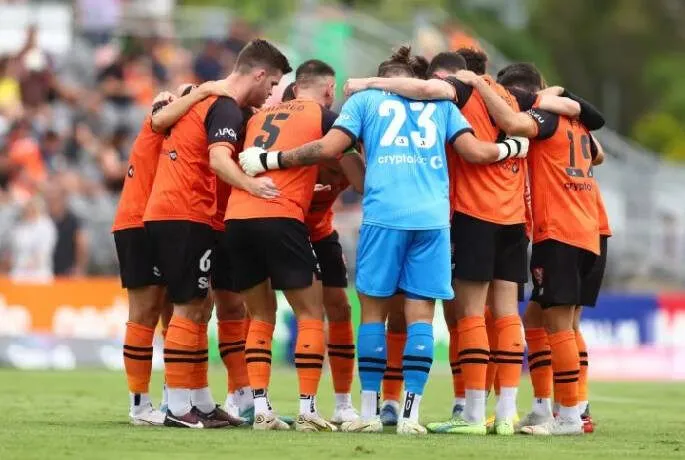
{"x": 83, "y": 414}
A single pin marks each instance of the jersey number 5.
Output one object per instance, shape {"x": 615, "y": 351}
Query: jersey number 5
{"x": 272, "y": 131}
{"x": 396, "y": 109}
{"x": 572, "y": 170}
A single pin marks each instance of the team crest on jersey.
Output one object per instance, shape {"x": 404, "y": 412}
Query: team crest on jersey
{"x": 130, "y": 171}
{"x": 173, "y": 155}
{"x": 538, "y": 274}
{"x": 515, "y": 168}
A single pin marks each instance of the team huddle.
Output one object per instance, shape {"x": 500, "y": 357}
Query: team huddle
{"x": 227, "y": 200}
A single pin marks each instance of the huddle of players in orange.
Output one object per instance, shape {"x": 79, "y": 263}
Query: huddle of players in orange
{"x": 193, "y": 231}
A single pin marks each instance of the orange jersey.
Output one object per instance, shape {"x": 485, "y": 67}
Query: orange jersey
{"x": 604, "y": 227}
{"x": 223, "y": 191}
{"x": 563, "y": 188}
{"x": 319, "y": 218}
{"x": 142, "y": 165}
{"x": 185, "y": 186}
{"x": 493, "y": 193}
{"x": 528, "y": 200}
{"x": 282, "y": 127}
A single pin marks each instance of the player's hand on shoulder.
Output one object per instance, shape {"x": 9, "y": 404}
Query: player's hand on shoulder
{"x": 214, "y": 88}
{"x": 513, "y": 147}
{"x": 467, "y": 77}
{"x": 164, "y": 96}
{"x": 262, "y": 187}
{"x": 354, "y": 85}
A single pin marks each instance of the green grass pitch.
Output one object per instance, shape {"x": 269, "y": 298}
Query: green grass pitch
{"x": 83, "y": 415}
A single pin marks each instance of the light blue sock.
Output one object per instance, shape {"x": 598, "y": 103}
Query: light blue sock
{"x": 372, "y": 355}
{"x": 418, "y": 357}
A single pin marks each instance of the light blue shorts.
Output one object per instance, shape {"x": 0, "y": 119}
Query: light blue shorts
{"x": 414, "y": 261}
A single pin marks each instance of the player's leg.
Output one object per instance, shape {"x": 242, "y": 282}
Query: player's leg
{"x": 380, "y": 252}
{"x": 592, "y": 283}
{"x": 293, "y": 268}
{"x": 167, "y": 309}
{"x": 245, "y": 241}
{"x": 557, "y": 282}
{"x": 340, "y": 332}
{"x": 144, "y": 291}
{"x": 507, "y": 337}
{"x": 396, "y": 339}
{"x": 425, "y": 276}
{"x": 183, "y": 252}
{"x": 474, "y": 268}
{"x": 539, "y": 366}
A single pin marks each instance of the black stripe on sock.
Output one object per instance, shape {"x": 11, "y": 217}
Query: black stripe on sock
{"x": 474, "y": 351}
{"x": 142, "y": 349}
{"x": 308, "y": 356}
{"x": 258, "y": 359}
{"x": 393, "y": 377}
{"x": 171, "y": 351}
{"x": 420, "y": 359}
{"x": 582, "y": 354}
{"x": 473, "y": 361}
{"x": 538, "y": 354}
{"x": 299, "y": 365}
{"x": 542, "y": 362}
{"x": 417, "y": 368}
{"x": 341, "y": 347}
{"x": 456, "y": 371}
{"x": 566, "y": 373}
{"x": 264, "y": 351}
{"x": 508, "y": 353}
{"x": 454, "y": 363}
{"x": 339, "y": 354}
{"x": 378, "y": 370}
{"x": 185, "y": 360}
{"x": 365, "y": 359}
{"x": 508, "y": 361}
{"x": 575, "y": 379}
{"x": 138, "y": 357}
{"x": 231, "y": 344}
{"x": 393, "y": 369}
{"x": 584, "y": 363}
{"x": 228, "y": 351}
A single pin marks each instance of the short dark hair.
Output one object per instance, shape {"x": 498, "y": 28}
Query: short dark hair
{"x": 419, "y": 65}
{"x": 288, "y": 93}
{"x": 476, "y": 61}
{"x": 449, "y": 61}
{"x": 399, "y": 64}
{"x": 312, "y": 69}
{"x": 522, "y": 75}
{"x": 261, "y": 53}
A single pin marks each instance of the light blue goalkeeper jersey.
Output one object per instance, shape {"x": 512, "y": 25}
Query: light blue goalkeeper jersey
{"x": 406, "y": 185}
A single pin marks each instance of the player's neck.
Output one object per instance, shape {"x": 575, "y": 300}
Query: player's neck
{"x": 310, "y": 96}
{"x": 238, "y": 88}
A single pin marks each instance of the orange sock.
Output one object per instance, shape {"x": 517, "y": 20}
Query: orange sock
{"x": 199, "y": 379}
{"x": 182, "y": 351}
{"x": 258, "y": 354}
{"x": 582, "y": 379}
{"x": 457, "y": 377}
{"x": 138, "y": 356}
{"x": 392, "y": 378}
{"x": 509, "y": 351}
{"x": 491, "y": 330}
{"x": 309, "y": 351}
{"x": 566, "y": 367}
{"x": 341, "y": 355}
{"x": 474, "y": 353}
{"x": 539, "y": 362}
{"x": 232, "y": 351}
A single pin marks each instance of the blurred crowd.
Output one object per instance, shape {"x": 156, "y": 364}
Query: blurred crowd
{"x": 66, "y": 125}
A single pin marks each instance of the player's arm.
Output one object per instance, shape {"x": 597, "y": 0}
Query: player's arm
{"x": 588, "y": 113}
{"x": 166, "y": 117}
{"x": 597, "y": 151}
{"x": 460, "y": 135}
{"x": 560, "y": 105}
{"x": 352, "y": 166}
{"x": 221, "y": 162}
{"x": 412, "y": 88}
{"x": 223, "y": 122}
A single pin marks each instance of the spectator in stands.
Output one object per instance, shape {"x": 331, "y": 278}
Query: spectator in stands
{"x": 70, "y": 257}
{"x": 31, "y": 245}
{"x": 208, "y": 63}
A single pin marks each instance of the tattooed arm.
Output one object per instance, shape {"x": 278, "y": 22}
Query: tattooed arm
{"x": 255, "y": 160}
